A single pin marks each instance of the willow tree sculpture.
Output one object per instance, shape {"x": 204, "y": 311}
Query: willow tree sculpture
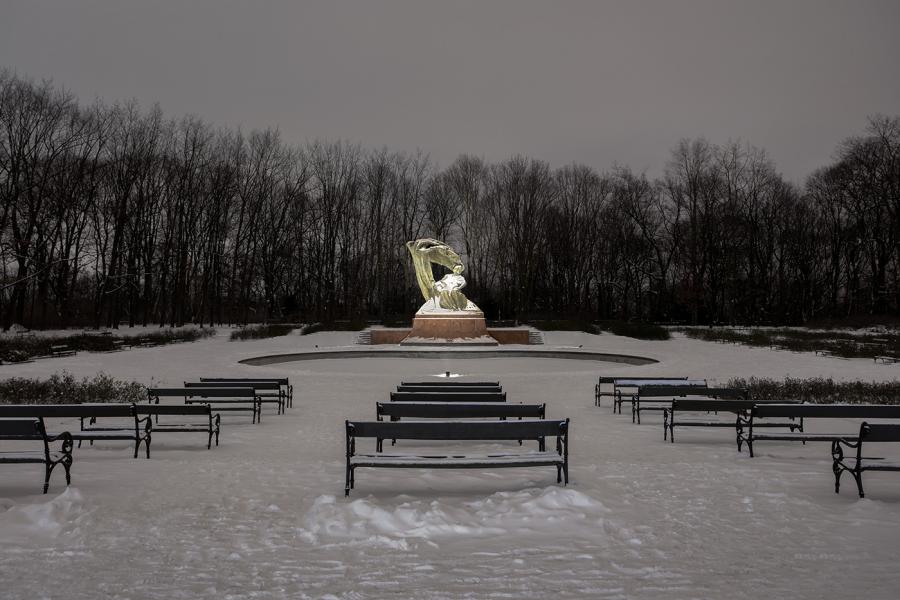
{"x": 445, "y": 293}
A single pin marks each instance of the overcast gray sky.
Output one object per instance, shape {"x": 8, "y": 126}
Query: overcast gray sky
{"x": 590, "y": 82}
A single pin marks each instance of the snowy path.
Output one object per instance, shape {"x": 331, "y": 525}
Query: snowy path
{"x": 263, "y": 515}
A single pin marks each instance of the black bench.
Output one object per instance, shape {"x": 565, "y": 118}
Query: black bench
{"x": 749, "y": 434}
{"x": 211, "y": 425}
{"x": 658, "y": 398}
{"x": 135, "y": 430}
{"x": 620, "y": 385}
{"x": 61, "y": 350}
{"x": 738, "y": 408}
{"x": 611, "y": 380}
{"x": 33, "y": 429}
{"x": 448, "y": 396}
{"x": 434, "y": 389}
{"x": 285, "y": 384}
{"x": 454, "y": 383}
{"x": 868, "y": 432}
{"x": 457, "y": 410}
{"x": 269, "y": 392}
{"x": 222, "y": 399}
{"x": 458, "y": 431}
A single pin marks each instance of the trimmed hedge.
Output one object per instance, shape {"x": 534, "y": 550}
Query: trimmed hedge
{"x": 334, "y": 326}
{"x": 564, "y": 325}
{"x": 636, "y": 329}
{"x": 63, "y": 388}
{"x": 839, "y": 343}
{"x": 820, "y": 390}
{"x": 258, "y": 332}
{"x": 20, "y": 348}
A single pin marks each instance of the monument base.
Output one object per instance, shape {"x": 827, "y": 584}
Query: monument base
{"x": 455, "y": 328}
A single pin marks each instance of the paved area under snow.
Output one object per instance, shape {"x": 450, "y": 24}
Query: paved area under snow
{"x": 263, "y": 515}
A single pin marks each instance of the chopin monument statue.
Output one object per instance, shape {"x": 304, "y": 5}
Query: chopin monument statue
{"x": 447, "y": 317}
{"x": 445, "y": 294}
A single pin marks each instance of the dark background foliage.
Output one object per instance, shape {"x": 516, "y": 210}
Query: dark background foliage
{"x": 116, "y": 215}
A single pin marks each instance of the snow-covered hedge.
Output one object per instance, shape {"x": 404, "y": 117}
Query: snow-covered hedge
{"x": 820, "y": 390}
{"x": 63, "y": 388}
{"x": 20, "y": 348}
{"x": 258, "y": 332}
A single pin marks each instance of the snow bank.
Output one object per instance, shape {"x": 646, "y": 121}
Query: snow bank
{"x": 29, "y": 523}
{"x": 532, "y": 512}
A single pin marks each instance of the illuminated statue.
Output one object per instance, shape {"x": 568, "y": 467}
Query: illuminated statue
{"x": 444, "y": 294}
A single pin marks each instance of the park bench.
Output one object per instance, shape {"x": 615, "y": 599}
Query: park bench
{"x": 658, "y": 398}
{"x": 457, "y": 410}
{"x": 737, "y": 408}
{"x": 59, "y": 350}
{"x": 611, "y": 380}
{"x": 33, "y": 429}
{"x": 130, "y": 427}
{"x": 269, "y": 392}
{"x": 433, "y": 389}
{"x": 448, "y": 396}
{"x": 211, "y": 424}
{"x": 222, "y": 399}
{"x": 868, "y": 432}
{"x": 452, "y": 383}
{"x": 458, "y": 431}
{"x": 621, "y": 384}
{"x": 748, "y": 426}
{"x": 286, "y": 387}
{"x": 887, "y": 359}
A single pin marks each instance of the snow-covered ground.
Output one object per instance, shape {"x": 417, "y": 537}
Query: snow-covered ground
{"x": 263, "y": 515}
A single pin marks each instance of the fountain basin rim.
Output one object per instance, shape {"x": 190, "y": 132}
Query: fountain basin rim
{"x": 442, "y": 353}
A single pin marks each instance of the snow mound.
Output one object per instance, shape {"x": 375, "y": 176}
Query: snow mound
{"x": 63, "y": 515}
{"x": 528, "y": 512}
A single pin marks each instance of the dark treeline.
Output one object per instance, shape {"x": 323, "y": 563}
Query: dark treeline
{"x": 113, "y": 214}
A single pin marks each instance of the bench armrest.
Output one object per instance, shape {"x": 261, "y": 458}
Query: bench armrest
{"x": 68, "y": 444}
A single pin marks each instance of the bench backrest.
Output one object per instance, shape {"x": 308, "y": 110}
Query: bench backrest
{"x": 279, "y": 380}
{"x": 448, "y": 397}
{"x": 735, "y": 406}
{"x": 173, "y": 409}
{"x": 879, "y": 432}
{"x": 656, "y": 391}
{"x": 24, "y": 429}
{"x": 619, "y": 383}
{"x": 458, "y": 410}
{"x": 256, "y": 385}
{"x": 613, "y": 378}
{"x": 450, "y": 389}
{"x": 453, "y": 383}
{"x": 65, "y": 411}
{"x": 828, "y": 411}
{"x": 238, "y": 392}
{"x": 457, "y": 430}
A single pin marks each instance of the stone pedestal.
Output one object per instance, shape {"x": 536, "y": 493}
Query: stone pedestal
{"x": 455, "y": 328}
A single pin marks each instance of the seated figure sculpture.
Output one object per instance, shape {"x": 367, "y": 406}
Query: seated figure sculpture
{"x": 446, "y": 293}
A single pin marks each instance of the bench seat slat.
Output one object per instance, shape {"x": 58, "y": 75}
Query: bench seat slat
{"x": 458, "y": 461}
{"x": 879, "y": 465}
{"x": 803, "y": 437}
{"x": 181, "y": 428}
{"x": 103, "y": 434}
{"x": 705, "y": 424}
{"x": 28, "y": 456}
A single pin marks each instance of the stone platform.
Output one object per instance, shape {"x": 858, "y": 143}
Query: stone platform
{"x": 418, "y": 336}
{"x": 458, "y": 328}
